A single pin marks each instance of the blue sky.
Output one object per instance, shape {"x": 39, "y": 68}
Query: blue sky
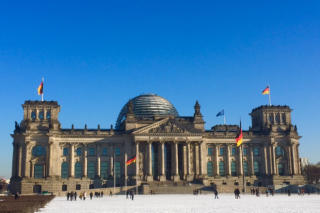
{"x": 96, "y": 55}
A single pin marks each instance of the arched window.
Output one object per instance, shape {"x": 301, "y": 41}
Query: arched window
{"x": 78, "y": 170}
{"x": 41, "y": 115}
{"x": 48, "y": 116}
{"x": 280, "y": 169}
{"x": 221, "y": 168}
{"x": 233, "y": 168}
{"x": 79, "y": 151}
{"x": 245, "y": 168}
{"x": 91, "y": 169}
{"x": 64, "y": 170}
{"x": 210, "y": 169}
{"x": 38, "y": 151}
{"x": 279, "y": 151}
{"x": 38, "y": 171}
{"x": 256, "y": 168}
{"x": 104, "y": 168}
{"x": 256, "y": 151}
{"x": 33, "y": 115}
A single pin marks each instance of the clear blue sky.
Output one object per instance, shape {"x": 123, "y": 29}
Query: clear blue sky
{"x": 95, "y": 55}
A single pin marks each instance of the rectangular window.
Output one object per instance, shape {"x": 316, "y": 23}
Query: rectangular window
{"x": 117, "y": 151}
{"x": 104, "y": 151}
{"x": 233, "y": 168}
{"x": 104, "y": 168}
{"x": 210, "y": 151}
{"x": 245, "y": 151}
{"x": 65, "y": 151}
{"x": 221, "y": 151}
{"x": 245, "y": 168}
{"x": 256, "y": 151}
{"x": 221, "y": 168}
{"x": 38, "y": 171}
{"x": 210, "y": 169}
{"x": 91, "y": 169}
{"x": 92, "y": 151}
{"x": 117, "y": 169}
{"x": 233, "y": 151}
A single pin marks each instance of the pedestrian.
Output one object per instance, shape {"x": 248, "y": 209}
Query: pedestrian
{"x": 267, "y": 192}
{"x": 101, "y": 194}
{"x": 75, "y": 196}
{"x": 84, "y": 195}
{"x": 216, "y": 194}
{"x": 132, "y": 195}
{"x": 127, "y": 195}
{"x": 71, "y": 196}
{"x": 289, "y": 192}
{"x": 110, "y": 193}
{"x": 91, "y": 195}
{"x": 257, "y": 192}
{"x": 68, "y": 195}
{"x": 237, "y": 193}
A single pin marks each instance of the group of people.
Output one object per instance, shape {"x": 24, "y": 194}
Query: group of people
{"x": 83, "y": 195}
{"x": 130, "y": 194}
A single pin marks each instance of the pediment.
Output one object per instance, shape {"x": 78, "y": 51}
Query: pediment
{"x": 164, "y": 126}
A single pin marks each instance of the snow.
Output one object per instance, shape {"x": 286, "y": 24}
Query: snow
{"x": 188, "y": 204}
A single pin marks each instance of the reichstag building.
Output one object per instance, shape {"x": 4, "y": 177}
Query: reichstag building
{"x": 169, "y": 148}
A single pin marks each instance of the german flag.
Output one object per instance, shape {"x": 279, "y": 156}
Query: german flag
{"x": 266, "y": 91}
{"x": 132, "y": 160}
{"x": 40, "y": 88}
{"x": 239, "y": 138}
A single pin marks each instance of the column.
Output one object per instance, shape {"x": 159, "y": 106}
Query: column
{"x": 251, "y": 161}
{"x": 162, "y": 171}
{"x": 270, "y": 160}
{"x": 176, "y": 165}
{"x": 137, "y": 160}
{"x": 50, "y": 163}
{"x": 196, "y": 160}
{"x": 293, "y": 159}
{"x": 202, "y": 168}
{"x": 216, "y": 160}
{"x": 149, "y": 159}
{"x": 228, "y": 163}
{"x": 71, "y": 160}
{"x": 111, "y": 161}
{"x": 85, "y": 161}
{"x": 98, "y": 160}
{"x": 14, "y": 160}
{"x": 275, "y": 169}
{"x": 240, "y": 165}
{"x": 19, "y": 160}
{"x": 265, "y": 158}
{"x": 25, "y": 160}
{"x": 125, "y": 166}
{"x": 189, "y": 172}
{"x": 185, "y": 161}
{"x": 31, "y": 170}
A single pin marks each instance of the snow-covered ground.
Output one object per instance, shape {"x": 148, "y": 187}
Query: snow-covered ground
{"x": 187, "y": 203}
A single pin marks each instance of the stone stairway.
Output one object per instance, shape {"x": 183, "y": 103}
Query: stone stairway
{"x": 174, "y": 188}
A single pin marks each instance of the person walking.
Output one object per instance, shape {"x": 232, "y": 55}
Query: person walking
{"x": 289, "y": 192}
{"x": 215, "y": 194}
{"x": 132, "y": 195}
{"x": 84, "y": 195}
{"x": 71, "y": 196}
{"x": 75, "y": 196}
{"x": 68, "y": 195}
{"x": 91, "y": 195}
{"x": 127, "y": 194}
{"x": 237, "y": 193}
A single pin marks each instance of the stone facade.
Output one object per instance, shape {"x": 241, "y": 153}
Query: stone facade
{"x": 168, "y": 148}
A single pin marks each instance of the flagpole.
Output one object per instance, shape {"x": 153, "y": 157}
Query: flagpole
{"x": 269, "y": 96}
{"x": 243, "y": 182}
{"x": 42, "y": 89}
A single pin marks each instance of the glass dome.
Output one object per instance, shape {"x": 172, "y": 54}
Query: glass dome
{"x": 147, "y": 106}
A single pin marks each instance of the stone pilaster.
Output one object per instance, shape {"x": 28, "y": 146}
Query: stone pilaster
{"x": 98, "y": 160}
{"x": 189, "y": 173}
{"x": 251, "y": 160}
{"x": 216, "y": 160}
{"x": 228, "y": 162}
{"x": 71, "y": 167}
{"x": 14, "y": 160}
{"x": 275, "y": 169}
{"x": 20, "y": 160}
{"x": 265, "y": 159}
{"x": 240, "y": 164}
{"x": 196, "y": 160}
{"x": 137, "y": 162}
{"x": 85, "y": 161}
{"x": 50, "y": 157}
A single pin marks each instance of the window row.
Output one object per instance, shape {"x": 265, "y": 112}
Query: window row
{"x": 256, "y": 151}
{"x": 91, "y": 151}
{"x": 91, "y": 169}
{"x": 41, "y": 115}
{"x": 233, "y": 168}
